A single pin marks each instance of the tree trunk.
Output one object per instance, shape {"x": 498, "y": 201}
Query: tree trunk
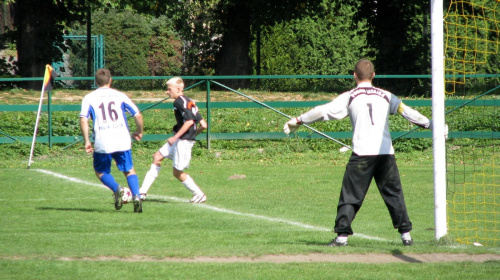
{"x": 6, "y": 20}
{"x": 36, "y": 34}
{"x": 233, "y": 58}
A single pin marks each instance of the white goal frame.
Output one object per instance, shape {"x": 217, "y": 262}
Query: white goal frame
{"x": 438, "y": 117}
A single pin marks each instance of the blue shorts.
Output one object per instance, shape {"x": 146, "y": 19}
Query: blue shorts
{"x": 102, "y": 162}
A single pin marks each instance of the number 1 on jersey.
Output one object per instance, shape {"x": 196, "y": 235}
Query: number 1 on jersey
{"x": 370, "y": 111}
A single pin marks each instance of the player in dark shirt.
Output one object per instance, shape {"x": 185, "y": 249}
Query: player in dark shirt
{"x": 178, "y": 147}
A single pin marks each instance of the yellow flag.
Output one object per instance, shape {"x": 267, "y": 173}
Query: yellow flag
{"x": 48, "y": 80}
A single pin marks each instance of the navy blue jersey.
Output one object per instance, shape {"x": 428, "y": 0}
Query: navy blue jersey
{"x": 185, "y": 109}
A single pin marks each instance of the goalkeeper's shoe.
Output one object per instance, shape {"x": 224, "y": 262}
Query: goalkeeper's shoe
{"x": 118, "y": 196}
{"x": 406, "y": 238}
{"x": 137, "y": 204}
{"x": 143, "y": 196}
{"x": 198, "y": 198}
{"x": 407, "y": 242}
{"x": 336, "y": 243}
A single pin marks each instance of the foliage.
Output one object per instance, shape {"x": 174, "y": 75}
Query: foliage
{"x": 298, "y": 38}
{"x": 217, "y": 32}
{"x": 201, "y": 30}
{"x": 237, "y": 120}
{"x": 7, "y": 68}
{"x": 39, "y": 27}
{"x": 325, "y": 44}
{"x": 18, "y": 149}
{"x": 7, "y": 60}
{"x": 127, "y": 42}
{"x": 165, "y": 57}
{"x": 135, "y": 46}
{"x": 399, "y": 40}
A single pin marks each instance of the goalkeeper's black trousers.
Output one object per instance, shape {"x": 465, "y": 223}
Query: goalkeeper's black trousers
{"x": 360, "y": 171}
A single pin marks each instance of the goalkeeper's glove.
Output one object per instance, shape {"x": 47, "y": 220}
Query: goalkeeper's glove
{"x": 291, "y": 126}
{"x": 445, "y": 130}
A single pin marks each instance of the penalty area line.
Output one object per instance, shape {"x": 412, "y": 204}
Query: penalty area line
{"x": 213, "y": 208}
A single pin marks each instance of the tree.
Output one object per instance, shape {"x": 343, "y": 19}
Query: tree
{"x": 233, "y": 57}
{"x": 135, "y": 45}
{"x": 218, "y": 33}
{"x": 326, "y": 43}
{"x": 39, "y": 29}
{"x": 6, "y": 17}
{"x": 399, "y": 40}
{"x": 165, "y": 49}
{"x": 240, "y": 17}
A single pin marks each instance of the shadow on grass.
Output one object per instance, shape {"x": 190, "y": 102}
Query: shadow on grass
{"x": 94, "y": 210}
{"x": 316, "y": 243}
{"x": 75, "y": 209}
{"x": 398, "y": 254}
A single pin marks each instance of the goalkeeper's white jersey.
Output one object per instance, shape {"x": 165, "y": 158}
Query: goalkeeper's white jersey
{"x": 107, "y": 108}
{"x": 368, "y": 108}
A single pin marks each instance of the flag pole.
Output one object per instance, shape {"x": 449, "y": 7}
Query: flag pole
{"x": 46, "y": 79}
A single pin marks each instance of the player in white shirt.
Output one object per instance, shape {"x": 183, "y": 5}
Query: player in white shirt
{"x": 107, "y": 108}
{"x": 372, "y": 156}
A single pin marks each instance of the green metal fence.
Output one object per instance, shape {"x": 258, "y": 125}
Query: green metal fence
{"x": 74, "y": 62}
{"x": 209, "y": 106}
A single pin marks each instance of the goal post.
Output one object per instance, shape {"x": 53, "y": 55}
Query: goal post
{"x": 438, "y": 117}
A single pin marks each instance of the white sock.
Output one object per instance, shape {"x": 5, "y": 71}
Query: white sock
{"x": 406, "y": 236}
{"x": 191, "y": 186}
{"x": 149, "y": 178}
{"x": 341, "y": 238}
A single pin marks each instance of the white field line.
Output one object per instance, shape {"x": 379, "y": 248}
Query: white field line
{"x": 213, "y": 208}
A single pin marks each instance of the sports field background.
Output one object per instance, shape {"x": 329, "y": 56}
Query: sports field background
{"x": 270, "y": 210}
{"x": 58, "y": 222}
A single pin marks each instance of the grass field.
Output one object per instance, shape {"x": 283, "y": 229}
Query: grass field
{"x": 58, "y": 222}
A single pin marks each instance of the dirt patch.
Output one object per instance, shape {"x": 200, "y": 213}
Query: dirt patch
{"x": 337, "y": 258}
{"x": 76, "y": 96}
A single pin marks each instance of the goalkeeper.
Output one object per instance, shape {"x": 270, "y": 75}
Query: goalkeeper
{"x": 372, "y": 156}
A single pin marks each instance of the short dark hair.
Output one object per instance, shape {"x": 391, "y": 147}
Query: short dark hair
{"x": 364, "y": 69}
{"x": 102, "y": 77}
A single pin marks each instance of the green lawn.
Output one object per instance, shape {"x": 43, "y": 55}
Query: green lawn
{"x": 58, "y": 222}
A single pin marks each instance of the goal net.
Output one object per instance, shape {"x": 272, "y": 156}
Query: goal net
{"x": 472, "y": 63}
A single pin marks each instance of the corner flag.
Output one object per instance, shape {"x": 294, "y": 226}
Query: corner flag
{"x": 48, "y": 79}
{"x": 48, "y": 84}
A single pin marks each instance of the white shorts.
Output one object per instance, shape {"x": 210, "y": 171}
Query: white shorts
{"x": 179, "y": 153}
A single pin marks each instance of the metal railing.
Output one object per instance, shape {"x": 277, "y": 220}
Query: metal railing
{"x": 209, "y": 105}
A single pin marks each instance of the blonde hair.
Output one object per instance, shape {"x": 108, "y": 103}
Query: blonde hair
{"x": 176, "y": 81}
